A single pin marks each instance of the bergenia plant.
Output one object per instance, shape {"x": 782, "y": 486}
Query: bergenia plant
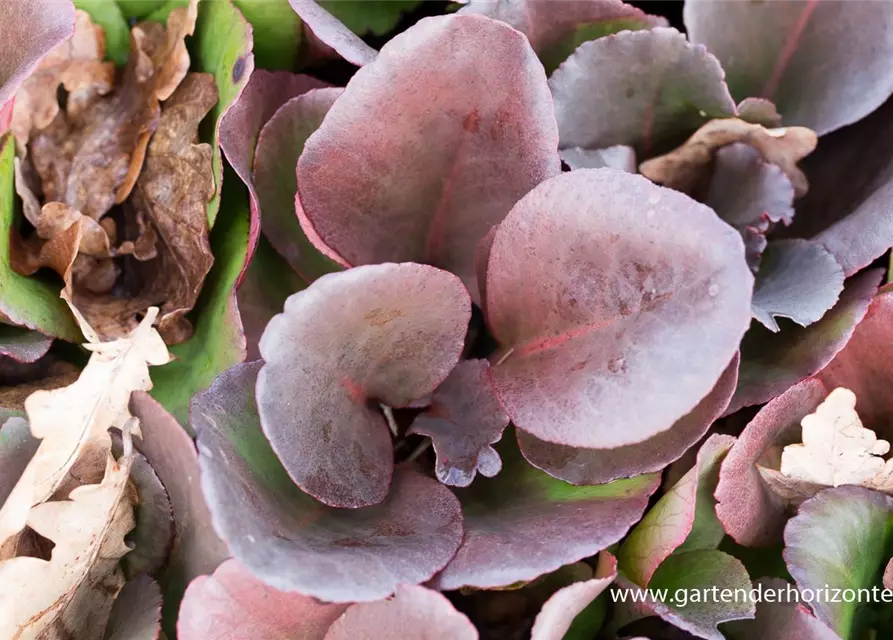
{"x": 504, "y": 319}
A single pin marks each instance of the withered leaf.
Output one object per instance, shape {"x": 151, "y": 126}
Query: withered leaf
{"x": 91, "y": 158}
{"x": 684, "y": 168}
{"x": 78, "y": 65}
{"x": 71, "y": 595}
{"x": 172, "y": 192}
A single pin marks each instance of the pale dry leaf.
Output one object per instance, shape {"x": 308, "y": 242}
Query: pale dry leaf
{"x": 76, "y": 418}
{"x": 836, "y": 450}
{"x": 70, "y": 596}
{"x": 684, "y": 167}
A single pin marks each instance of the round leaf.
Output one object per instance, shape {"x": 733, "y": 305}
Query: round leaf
{"x": 291, "y": 541}
{"x": 600, "y": 301}
{"x": 377, "y": 334}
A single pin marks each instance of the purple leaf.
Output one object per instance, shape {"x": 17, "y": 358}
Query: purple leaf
{"x": 865, "y": 365}
{"x": 196, "y": 548}
{"x": 749, "y": 510}
{"x": 617, "y": 157}
{"x": 558, "y": 613}
{"x": 647, "y": 89}
{"x": 759, "y": 111}
{"x": 598, "y": 301}
{"x": 278, "y": 148}
{"x": 524, "y": 523}
{"x": 333, "y": 33}
{"x": 687, "y": 573}
{"x": 745, "y": 189}
{"x": 771, "y": 363}
{"x": 153, "y": 534}
{"x": 475, "y": 133}
{"x": 557, "y": 27}
{"x": 136, "y": 613}
{"x": 291, "y": 541}
{"x": 847, "y": 208}
{"x": 595, "y": 466}
{"x": 381, "y": 334}
{"x": 682, "y": 520}
{"x": 413, "y": 612}
{"x": 779, "y": 620}
{"x": 23, "y": 345}
{"x": 233, "y": 604}
{"x": 30, "y": 31}
{"x": 798, "y": 280}
{"x": 839, "y": 537}
{"x": 17, "y": 447}
{"x": 241, "y": 125}
{"x": 825, "y": 64}
{"x": 463, "y": 420}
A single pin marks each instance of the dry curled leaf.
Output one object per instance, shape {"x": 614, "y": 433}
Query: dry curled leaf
{"x": 172, "y": 192}
{"x": 836, "y": 450}
{"x": 71, "y": 595}
{"x": 684, "y": 167}
{"x": 75, "y": 419}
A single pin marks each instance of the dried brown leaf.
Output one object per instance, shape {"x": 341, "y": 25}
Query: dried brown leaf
{"x": 684, "y": 168}
{"x": 76, "y": 418}
{"x": 71, "y": 595}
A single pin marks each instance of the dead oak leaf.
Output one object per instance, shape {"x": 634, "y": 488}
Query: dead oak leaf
{"x": 684, "y": 168}
{"x": 75, "y": 418}
{"x": 836, "y": 450}
{"x": 71, "y": 595}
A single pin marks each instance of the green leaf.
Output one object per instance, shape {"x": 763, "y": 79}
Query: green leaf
{"x": 139, "y": 9}
{"x": 28, "y": 301}
{"x": 683, "y": 520}
{"x": 221, "y": 46}
{"x": 277, "y": 32}
{"x": 554, "y": 56}
{"x": 369, "y": 16}
{"x": 218, "y": 342}
{"x": 107, "y": 14}
{"x": 841, "y": 538}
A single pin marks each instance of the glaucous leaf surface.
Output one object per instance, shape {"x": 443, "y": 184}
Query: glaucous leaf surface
{"x": 463, "y": 420}
{"x": 839, "y": 537}
{"x": 847, "y": 208}
{"x": 597, "y": 301}
{"x": 240, "y": 126}
{"x": 824, "y": 64}
{"x": 232, "y": 603}
{"x": 291, "y": 541}
{"x": 379, "y": 334}
{"x": 23, "y": 345}
{"x": 136, "y": 614}
{"x": 749, "y": 510}
{"x": 744, "y": 188}
{"x": 771, "y": 363}
{"x": 279, "y": 146}
{"x": 683, "y": 519}
{"x": 475, "y": 133}
{"x": 558, "y": 613}
{"x": 17, "y": 447}
{"x": 152, "y": 536}
{"x": 524, "y": 523}
{"x": 412, "y": 612}
{"x": 333, "y": 33}
{"x": 558, "y": 27}
{"x": 798, "y": 280}
{"x": 779, "y": 620}
{"x": 196, "y": 549}
{"x": 30, "y": 31}
{"x": 647, "y": 89}
{"x": 865, "y": 365}
{"x": 595, "y": 466}
{"x": 25, "y": 301}
{"x": 688, "y": 573}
